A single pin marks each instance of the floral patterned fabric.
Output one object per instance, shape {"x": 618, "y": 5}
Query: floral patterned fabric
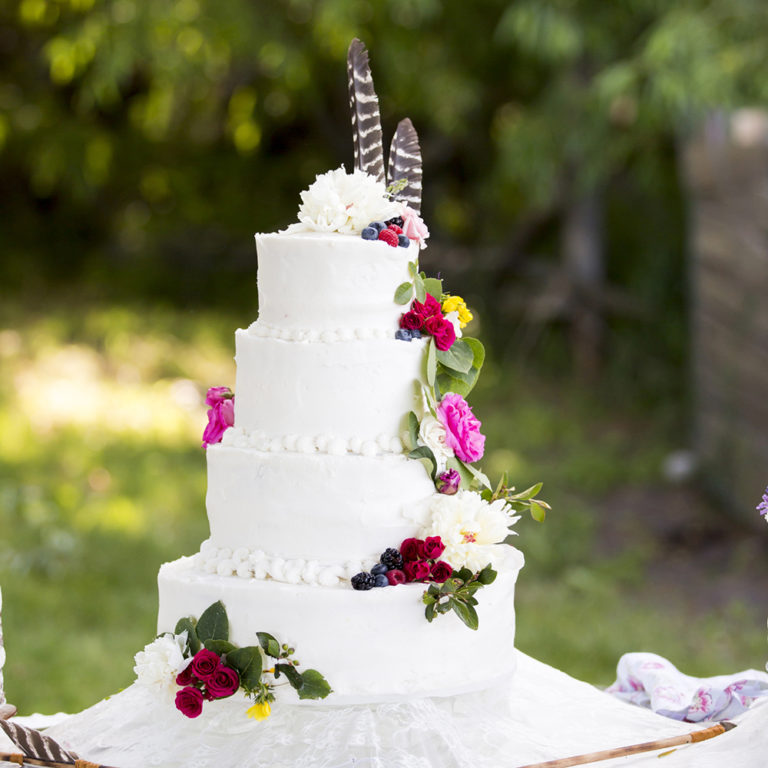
{"x": 651, "y": 681}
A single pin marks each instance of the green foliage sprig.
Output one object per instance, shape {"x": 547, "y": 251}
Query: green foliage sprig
{"x": 519, "y": 502}
{"x": 457, "y": 594}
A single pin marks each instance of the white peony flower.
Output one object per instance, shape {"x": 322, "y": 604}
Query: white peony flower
{"x": 343, "y": 202}
{"x": 432, "y": 434}
{"x": 471, "y": 529}
{"x": 161, "y": 661}
{"x": 453, "y": 319}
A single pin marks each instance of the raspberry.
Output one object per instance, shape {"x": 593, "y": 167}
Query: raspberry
{"x": 389, "y": 237}
{"x": 363, "y": 581}
{"x": 397, "y": 230}
{"x": 392, "y": 559}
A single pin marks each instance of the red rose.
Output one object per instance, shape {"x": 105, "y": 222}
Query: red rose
{"x": 205, "y": 664}
{"x": 433, "y": 547}
{"x": 442, "y": 330}
{"x": 412, "y": 549}
{"x": 223, "y": 682}
{"x": 417, "y": 570}
{"x": 411, "y": 321}
{"x": 430, "y": 307}
{"x": 186, "y": 677}
{"x": 395, "y": 577}
{"x": 440, "y": 572}
{"x": 189, "y": 701}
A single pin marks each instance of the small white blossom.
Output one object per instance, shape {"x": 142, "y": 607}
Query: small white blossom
{"x": 471, "y": 529}
{"x": 161, "y": 661}
{"x": 453, "y": 319}
{"x": 343, "y": 202}
{"x": 432, "y": 434}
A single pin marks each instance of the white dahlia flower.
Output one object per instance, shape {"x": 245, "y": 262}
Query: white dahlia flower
{"x": 471, "y": 529}
{"x": 161, "y": 661}
{"x": 343, "y": 202}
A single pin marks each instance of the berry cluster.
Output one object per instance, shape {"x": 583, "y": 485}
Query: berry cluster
{"x": 417, "y": 560}
{"x": 390, "y": 231}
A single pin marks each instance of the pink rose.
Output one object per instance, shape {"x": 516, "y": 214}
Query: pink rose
{"x": 413, "y": 226}
{"x": 440, "y": 572}
{"x": 442, "y": 330}
{"x": 185, "y": 677}
{"x": 204, "y": 664}
{"x": 221, "y": 414}
{"x": 223, "y": 682}
{"x": 430, "y": 308}
{"x": 395, "y": 577}
{"x": 433, "y": 547}
{"x": 417, "y": 570}
{"x": 411, "y": 321}
{"x": 462, "y": 428}
{"x": 412, "y": 549}
{"x": 189, "y": 701}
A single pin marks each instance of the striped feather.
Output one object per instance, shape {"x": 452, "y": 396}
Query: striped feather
{"x": 405, "y": 163}
{"x": 366, "y": 120}
{"x": 33, "y": 744}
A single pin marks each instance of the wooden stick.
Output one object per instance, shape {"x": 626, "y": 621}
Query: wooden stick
{"x": 634, "y": 749}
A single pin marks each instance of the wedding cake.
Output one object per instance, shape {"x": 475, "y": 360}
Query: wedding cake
{"x": 347, "y": 514}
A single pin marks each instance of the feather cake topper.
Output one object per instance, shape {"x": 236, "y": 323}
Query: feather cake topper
{"x": 404, "y": 154}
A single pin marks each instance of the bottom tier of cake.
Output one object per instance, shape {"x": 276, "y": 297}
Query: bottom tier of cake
{"x": 370, "y": 646}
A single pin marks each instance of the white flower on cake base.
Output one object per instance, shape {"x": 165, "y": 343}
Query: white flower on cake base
{"x": 162, "y": 661}
{"x": 343, "y": 202}
{"x": 471, "y": 529}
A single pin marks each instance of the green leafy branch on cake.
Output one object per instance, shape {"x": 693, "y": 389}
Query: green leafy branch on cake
{"x": 519, "y": 502}
{"x": 198, "y": 663}
{"x": 457, "y": 594}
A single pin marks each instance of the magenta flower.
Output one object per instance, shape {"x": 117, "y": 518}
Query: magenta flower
{"x": 462, "y": 427}
{"x": 221, "y": 414}
{"x": 223, "y": 682}
{"x": 189, "y": 701}
{"x": 762, "y": 507}
{"x": 448, "y": 482}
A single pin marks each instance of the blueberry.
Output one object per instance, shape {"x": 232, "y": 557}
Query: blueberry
{"x": 382, "y": 580}
{"x": 378, "y": 224}
{"x": 403, "y": 241}
{"x": 370, "y": 233}
{"x": 415, "y": 333}
{"x": 403, "y": 334}
{"x": 379, "y": 568}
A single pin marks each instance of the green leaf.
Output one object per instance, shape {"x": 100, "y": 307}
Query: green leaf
{"x": 431, "y": 362}
{"x": 463, "y": 575}
{"x": 421, "y": 291}
{"x": 429, "y": 612}
{"x": 315, "y": 685}
{"x": 529, "y": 493}
{"x": 413, "y": 268}
{"x": 458, "y": 358}
{"x": 269, "y": 644}
{"x": 294, "y": 678}
{"x": 422, "y": 452}
{"x": 403, "y": 293}
{"x": 487, "y": 575}
{"x": 413, "y": 429}
{"x": 220, "y": 646}
{"x": 465, "y": 612}
{"x": 466, "y": 476}
{"x": 247, "y": 662}
{"x": 460, "y": 383}
{"x": 213, "y": 624}
{"x": 188, "y": 624}
{"x": 538, "y": 513}
{"x": 478, "y": 352}
{"x": 434, "y": 287}
{"x": 481, "y": 477}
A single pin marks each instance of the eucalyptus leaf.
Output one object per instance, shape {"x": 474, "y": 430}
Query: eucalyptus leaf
{"x": 213, "y": 624}
{"x": 465, "y": 612}
{"x": 431, "y": 362}
{"x": 434, "y": 287}
{"x": 187, "y": 625}
{"x": 413, "y": 430}
{"x": 294, "y": 678}
{"x": 403, "y": 293}
{"x": 269, "y": 644}
{"x": 315, "y": 685}
{"x": 248, "y": 664}
{"x": 423, "y": 452}
{"x": 220, "y": 646}
{"x": 418, "y": 285}
{"x": 458, "y": 358}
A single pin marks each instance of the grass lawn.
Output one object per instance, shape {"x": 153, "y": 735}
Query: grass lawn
{"x": 102, "y": 479}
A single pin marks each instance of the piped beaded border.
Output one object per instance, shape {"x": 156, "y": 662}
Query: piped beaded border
{"x": 329, "y": 336}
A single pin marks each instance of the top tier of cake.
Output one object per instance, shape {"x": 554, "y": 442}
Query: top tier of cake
{"x": 327, "y": 286}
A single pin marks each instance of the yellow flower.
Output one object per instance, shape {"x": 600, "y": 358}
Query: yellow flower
{"x": 457, "y": 304}
{"x": 259, "y": 711}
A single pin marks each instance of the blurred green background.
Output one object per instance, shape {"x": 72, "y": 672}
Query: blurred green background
{"x": 142, "y": 144}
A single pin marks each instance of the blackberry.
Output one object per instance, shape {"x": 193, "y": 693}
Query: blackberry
{"x": 392, "y": 559}
{"x": 397, "y": 220}
{"x": 363, "y": 581}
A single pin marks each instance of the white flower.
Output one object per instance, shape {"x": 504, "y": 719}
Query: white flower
{"x": 471, "y": 529}
{"x": 161, "y": 661}
{"x": 432, "y": 434}
{"x": 453, "y": 319}
{"x": 343, "y": 202}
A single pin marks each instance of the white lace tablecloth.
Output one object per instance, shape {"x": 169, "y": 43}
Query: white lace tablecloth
{"x": 545, "y": 715}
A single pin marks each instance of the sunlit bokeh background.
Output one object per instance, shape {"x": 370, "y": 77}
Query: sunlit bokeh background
{"x": 569, "y": 172}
